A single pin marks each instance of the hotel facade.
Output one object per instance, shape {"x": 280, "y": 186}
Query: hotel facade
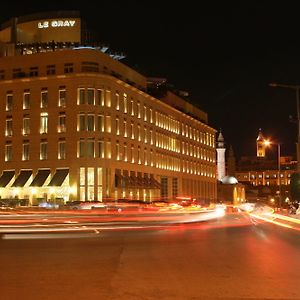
{"x": 78, "y": 124}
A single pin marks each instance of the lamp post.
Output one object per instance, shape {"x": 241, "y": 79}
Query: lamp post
{"x": 296, "y": 88}
{"x": 268, "y": 143}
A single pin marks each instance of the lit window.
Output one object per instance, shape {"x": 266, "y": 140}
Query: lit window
{"x": 108, "y": 149}
{"x": 61, "y": 123}
{"x": 91, "y": 123}
{"x": 44, "y": 99}
{"x": 100, "y": 97}
{"x": 8, "y": 152}
{"x": 117, "y": 126}
{"x": 101, "y": 123}
{"x": 91, "y": 96}
{"x": 81, "y": 148}
{"x": 90, "y": 148}
{"x": 81, "y": 122}
{"x": 9, "y": 102}
{"x": 9, "y": 127}
{"x": 132, "y": 107}
{"x": 139, "y": 110}
{"x": 44, "y": 122}
{"x": 26, "y": 100}
{"x": 108, "y": 123}
{"x": 125, "y": 128}
{"x": 62, "y": 98}
{"x": 117, "y": 101}
{"x": 132, "y": 154}
{"x": 101, "y": 149}
{"x": 25, "y": 150}
{"x": 62, "y": 150}
{"x": 125, "y": 103}
{"x": 125, "y": 152}
{"x": 44, "y": 150}
{"x": 145, "y": 113}
{"x": 117, "y": 150}
{"x": 108, "y": 98}
{"x": 26, "y": 125}
{"x": 81, "y": 96}
{"x": 132, "y": 130}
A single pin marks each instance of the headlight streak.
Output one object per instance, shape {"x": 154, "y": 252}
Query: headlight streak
{"x": 271, "y": 218}
{"x": 90, "y": 225}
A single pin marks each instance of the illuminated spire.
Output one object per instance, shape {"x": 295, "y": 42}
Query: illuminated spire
{"x": 260, "y": 144}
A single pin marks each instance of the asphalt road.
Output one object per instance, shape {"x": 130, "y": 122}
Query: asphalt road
{"x": 229, "y": 258}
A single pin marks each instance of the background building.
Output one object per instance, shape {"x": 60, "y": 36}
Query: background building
{"x": 78, "y": 124}
{"x": 265, "y": 177}
{"x": 230, "y": 191}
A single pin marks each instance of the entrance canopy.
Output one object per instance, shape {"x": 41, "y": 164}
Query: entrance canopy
{"x": 59, "y": 177}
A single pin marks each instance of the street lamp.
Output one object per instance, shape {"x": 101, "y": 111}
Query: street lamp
{"x": 296, "y": 88}
{"x": 268, "y": 143}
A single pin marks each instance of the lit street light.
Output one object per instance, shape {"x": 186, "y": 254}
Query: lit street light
{"x": 268, "y": 143}
{"x": 296, "y": 88}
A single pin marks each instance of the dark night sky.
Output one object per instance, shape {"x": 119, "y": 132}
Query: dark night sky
{"x": 223, "y": 54}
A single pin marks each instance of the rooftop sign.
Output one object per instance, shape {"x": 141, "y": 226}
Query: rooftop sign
{"x": 56, "y": 23}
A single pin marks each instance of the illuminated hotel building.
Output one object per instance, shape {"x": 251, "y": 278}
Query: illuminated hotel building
{"x": 79, "y": 124}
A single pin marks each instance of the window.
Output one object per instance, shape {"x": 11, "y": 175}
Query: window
{"x": 61, "y": 123}
{"x": 9, "y": 101}
{"x": 62, "y": 149}
{"x": 50, "y": 69}
{"x": 91, "y": 123}
{"x": 33, "y": 72}
{"x": 108, "y": 98}
{"x": 132, "y": 107}
{"x": 125, "y": 103}
{"x": 117, "y": 150}
{"x": 81, "y": 96}
{"x": 151, "y": 115}
{"x": 117, "y": 126}
{"x": 44, "y": 99}
{"x": 108, "y": 123}
{"x": 68, "y": 68}
{"x": 139, "y": 110}
{"x": 145, "y": 113}
{"x": 101, "y": 123}
{"x": 91, "y": 96}
{"x": 8, "y": 152}
{"x": 26, "y": 100}
{"x": 125, "y": 152}
{"x": 26, "y": 125}
{"x": 25, "y": 150}
{"x": 117, "y": 101}
{"x": 132, "y": 130}
{"x": 62, "y": 97}
{"x": 108, "y": 149}
{"x": 100, "y": 97}
{"x": 125, "y": 128}
{"x": 139, "y": 133}
{"x": 81, "y": 122}
{"x": 9, "y": 127}
{"x": 43, "y": 150}
{"x": 132, "y": 153}
{"x": 101, "y": 149}
{"x": 81, "y": 148}
{"x": 44, "y": 123}
{"x": 90, "y": 148}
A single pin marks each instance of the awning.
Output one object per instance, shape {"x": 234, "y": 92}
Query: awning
{"x": 22, "y": 178}
{"x": 40, "y": 177}
{"x": 119, "y": 181}
{"x": 6, "y": 178}
{"x": 59, "y": 177}
{"x": 154, "y": 184}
